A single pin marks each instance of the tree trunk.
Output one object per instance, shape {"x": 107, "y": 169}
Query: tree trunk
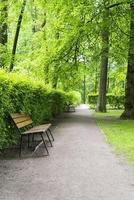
{"x": 3, "y": 23}
{"x": 55, "y": 78}
{"x": 84, "y": 89}
{"x": 17, "y": 36}
{"x": 101, "y": 104}
{"x": 3, "y": 29}
{"x": 96, "y": 81}
{"x": 129, "y": 92}
{"x": 46, "y": 68}
{"x": 55, "y": 75}
{"x": 33, "y": 15}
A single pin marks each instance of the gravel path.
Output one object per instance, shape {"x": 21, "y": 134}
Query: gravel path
{"x": 81, "y": 166}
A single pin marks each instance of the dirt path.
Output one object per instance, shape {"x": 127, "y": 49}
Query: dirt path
{"x": 81, "y": 166}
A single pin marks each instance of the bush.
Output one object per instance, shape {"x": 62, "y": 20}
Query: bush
{"x": 73, "y": 98}
{"x": 113, "y": 101}
{"x": 19, "y": 94}
{"x": 92, "y": 99}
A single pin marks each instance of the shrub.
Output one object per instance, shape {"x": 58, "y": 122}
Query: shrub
{"x": 19, "y": 94}
{"x": 73, "y": 98}
{"x": 92, "y": 99}
{"x": 57, "y": 100}
{"x": 113, "y": 101}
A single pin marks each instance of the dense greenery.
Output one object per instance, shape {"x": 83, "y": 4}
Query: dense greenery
{"x": 73, "y": 98}
{"x": 21, "y": 94}
{"x": 86, "y": 46}
{"x": 118, "y": 133}
{"x": 60, "y": 42}
{"x": 113, "y": 101}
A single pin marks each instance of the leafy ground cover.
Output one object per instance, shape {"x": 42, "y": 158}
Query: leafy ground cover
{"x": 119, "y": 133}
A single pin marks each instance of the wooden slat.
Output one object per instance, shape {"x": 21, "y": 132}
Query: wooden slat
{"x": 21, "y": 119}
{"x": 38, "y": 129}
{"x": 17, "y": 115}
{"x": 25, "y": 123}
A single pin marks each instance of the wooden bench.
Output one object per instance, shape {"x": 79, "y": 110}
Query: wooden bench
{"x": 24, "y": 126}
{"x": 70, "y": 108}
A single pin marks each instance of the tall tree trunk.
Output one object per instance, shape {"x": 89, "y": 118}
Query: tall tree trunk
{"x": 33, "y": 15}
{"x": 96, "y": 81}
{"x": 46, "y": 68}
{"x": 46, "y": 71}
{"x": 108, "y": 80}
{"x": 129, "y": 93}
{"x": 55, "y": 77}
{"x": 101, "y": 104}
{"x": 3, "y": 22}
{"x": 3, "y": 29}
{"x": 84, "y": 89}
{"x": 17, "y": 36}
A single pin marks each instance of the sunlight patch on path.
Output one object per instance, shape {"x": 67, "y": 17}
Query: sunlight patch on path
{"x": 83, "y": 107}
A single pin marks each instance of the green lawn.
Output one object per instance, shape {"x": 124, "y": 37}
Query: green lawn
{"x": 119, "y": 133}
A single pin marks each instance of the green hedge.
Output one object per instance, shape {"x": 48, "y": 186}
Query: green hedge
{"x": 113, "y": 101}
{"x": 73, "y": 98}
{"x": 19, "y": 94}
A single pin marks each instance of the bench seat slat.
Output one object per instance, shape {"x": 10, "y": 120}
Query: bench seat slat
{"x": 21, "y": 119}
{"x": 18, "y": 115}
{"x": 38, "y": 129}
{"x": 25, "y": 123}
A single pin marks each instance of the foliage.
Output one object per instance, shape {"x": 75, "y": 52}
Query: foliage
{"x": 60, "y": 42}
{"x": 119, "y": 133}
{"x": 73, "y": 98}
{"x": 19, "y": 94}
{"x": 113, "y": 101}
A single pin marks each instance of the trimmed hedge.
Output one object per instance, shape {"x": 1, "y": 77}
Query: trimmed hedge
{"x": 113, "y": 101}
{"x": 19, "y": 94}
{"x": 73, "y": 98}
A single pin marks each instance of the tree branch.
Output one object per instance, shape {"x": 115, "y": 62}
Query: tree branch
{"x": 119, "y": 4}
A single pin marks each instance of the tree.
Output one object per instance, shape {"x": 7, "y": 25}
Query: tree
{"x": 101, "y": 105}
{"x": 129, "y": 93}
{"x": 55, "y": 34}
{"x": 3, "y": 30}
{"x": 17, "y": 36}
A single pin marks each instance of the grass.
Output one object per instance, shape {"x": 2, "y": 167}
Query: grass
{"x": 119, "y": 133}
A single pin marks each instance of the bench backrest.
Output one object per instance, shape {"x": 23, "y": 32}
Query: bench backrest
{"x": 21, "y": 120}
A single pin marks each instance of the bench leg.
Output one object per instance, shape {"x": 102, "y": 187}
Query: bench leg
{"x": 20, "y": 146}
{"x": 49, "y": 138}
{"x": 28, "y": 140}
{"x": 51, "y": 135}
{"x": 44, "y": 144}
{"x": 33, "y": 137}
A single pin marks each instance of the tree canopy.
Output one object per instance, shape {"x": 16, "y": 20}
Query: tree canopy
{"x": 82, "y": 45}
